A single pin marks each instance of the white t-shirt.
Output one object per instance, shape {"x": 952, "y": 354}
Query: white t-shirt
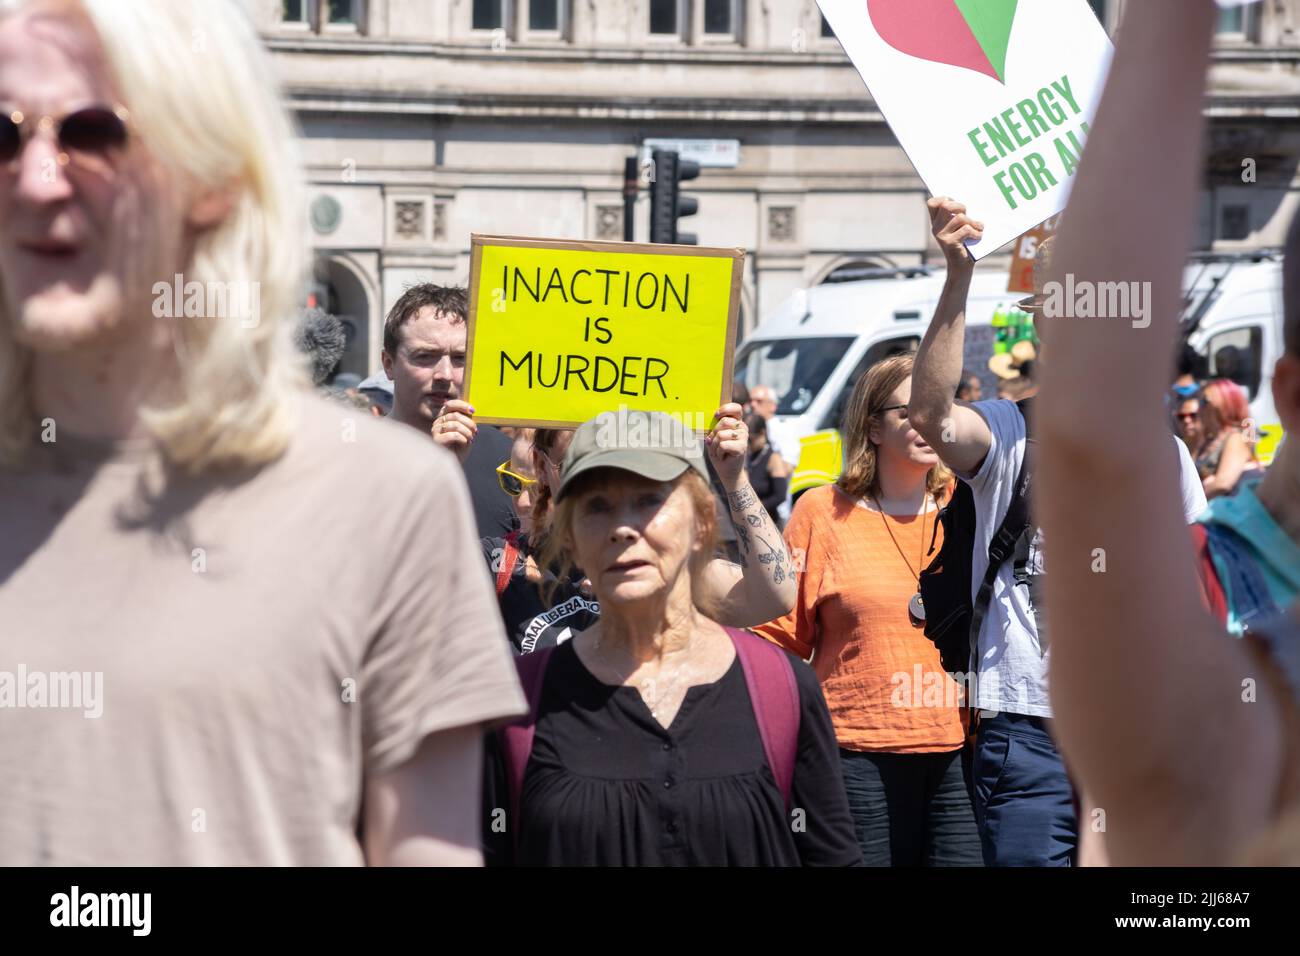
{"x": 782, "y": 443}
{"x": 1012, "y": 666}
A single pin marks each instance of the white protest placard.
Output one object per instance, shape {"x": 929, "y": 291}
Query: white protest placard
{"x": 991, "y": 99}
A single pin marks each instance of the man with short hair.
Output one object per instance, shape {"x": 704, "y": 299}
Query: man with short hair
{"x": 762, "y": 399}
{"x": 425, "y": 338}
{"x": 1024, "y": 800}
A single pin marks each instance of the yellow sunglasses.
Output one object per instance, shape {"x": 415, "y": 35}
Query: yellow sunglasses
{"x": 512, "y": 484}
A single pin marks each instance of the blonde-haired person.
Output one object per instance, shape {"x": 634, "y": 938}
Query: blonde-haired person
{"x": 181, "y": 516}
{"x": 658, "y": 736}
{"x": 898, "y": 717}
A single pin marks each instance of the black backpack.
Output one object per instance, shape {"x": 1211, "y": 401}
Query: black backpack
{"x": 952, "y": 620}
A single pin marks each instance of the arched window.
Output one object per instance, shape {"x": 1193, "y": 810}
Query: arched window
{"x": 337, "y": 290}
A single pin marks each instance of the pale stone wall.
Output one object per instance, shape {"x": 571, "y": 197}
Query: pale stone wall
{"x": 423, "y": 130}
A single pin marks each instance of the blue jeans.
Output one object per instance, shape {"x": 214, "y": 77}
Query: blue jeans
{"x": 911, "y": 809}
{"x": 1024, "y": 802}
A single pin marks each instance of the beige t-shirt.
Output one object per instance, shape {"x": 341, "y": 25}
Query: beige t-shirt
{"x": 205, "y": 671}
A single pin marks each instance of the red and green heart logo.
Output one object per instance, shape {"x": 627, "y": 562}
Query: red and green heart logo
{"x": 971, "y": 34}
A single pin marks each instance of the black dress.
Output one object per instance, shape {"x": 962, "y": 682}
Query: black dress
{"x": 606, "y": 785}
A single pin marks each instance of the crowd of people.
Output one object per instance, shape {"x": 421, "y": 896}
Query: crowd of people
{"x": 548, "y": 646}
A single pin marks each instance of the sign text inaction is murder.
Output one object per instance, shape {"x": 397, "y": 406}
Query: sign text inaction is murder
{"x": 562, "y": 331}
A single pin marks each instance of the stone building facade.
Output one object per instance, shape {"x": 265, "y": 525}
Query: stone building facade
{"x": 427, "y": 120}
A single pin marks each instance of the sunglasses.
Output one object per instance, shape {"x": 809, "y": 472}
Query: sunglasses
{"x": 890, "y": 408}
{"x": 1187, "y": 416}
{"x": 90, "y": 131}
{"x": 512, "y": 484}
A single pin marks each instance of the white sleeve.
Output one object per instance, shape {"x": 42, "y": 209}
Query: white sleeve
{"x": 1194, "y": 501}
{"x": 1006, "y": 446}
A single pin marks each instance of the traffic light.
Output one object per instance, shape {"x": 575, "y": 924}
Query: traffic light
{"x": 667, "y": 204}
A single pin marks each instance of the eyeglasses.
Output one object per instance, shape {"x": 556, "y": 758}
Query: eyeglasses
{"x": 92, "y": 130}
{"x": 512, "y": 484}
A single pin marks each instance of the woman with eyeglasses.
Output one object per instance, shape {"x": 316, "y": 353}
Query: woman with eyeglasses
{"x": 543, "y": 606}
{"x": 898, "y": 718}
{"x": 516, "y": 477}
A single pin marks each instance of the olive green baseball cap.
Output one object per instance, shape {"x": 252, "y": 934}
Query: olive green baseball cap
{"x": 653, "y": 445}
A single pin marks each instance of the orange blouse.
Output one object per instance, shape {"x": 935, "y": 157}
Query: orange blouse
{"x": 884, "y": 684}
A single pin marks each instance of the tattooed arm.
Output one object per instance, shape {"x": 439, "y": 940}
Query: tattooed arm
{"x": 762, "y": 586}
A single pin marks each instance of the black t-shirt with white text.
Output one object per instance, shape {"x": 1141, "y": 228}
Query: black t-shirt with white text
{"x": 531, "y": 622}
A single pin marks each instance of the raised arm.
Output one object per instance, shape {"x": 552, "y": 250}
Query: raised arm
{"x": 1147, "y": 689}
{"x": 762, "y": 586}
{"x": 954, "y": 430}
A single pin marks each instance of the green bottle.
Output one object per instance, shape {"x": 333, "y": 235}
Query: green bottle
{"x": 1000, "y": 329}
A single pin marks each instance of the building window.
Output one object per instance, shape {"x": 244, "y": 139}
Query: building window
{"x": 827, "y": 32}
{"x": 1235, "y": 222}
{"x": 1237, "y": 24}
{"x": 1232, "y": 21}
{"x": 1099, "y": 8}
{"x": 489, "y": 14}
{"x": 718, "y": 17}
{"x": 665, "y": 17}
{"x": 323, "y": 14}
{"x": 343, "y": 12}
{"x": 544, "y": 16}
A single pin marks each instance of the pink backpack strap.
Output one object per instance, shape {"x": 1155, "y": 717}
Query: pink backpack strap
{"x": 775, "y": 696}
{"x": 509, "y": 558}
{"x": 517, "y": 738}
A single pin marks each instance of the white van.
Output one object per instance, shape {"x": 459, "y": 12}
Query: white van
{"x": 813, "y": 349}
{"x": 1234, "y": 321}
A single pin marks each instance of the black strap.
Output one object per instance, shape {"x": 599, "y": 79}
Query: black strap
{"x": 1009, "y": 532}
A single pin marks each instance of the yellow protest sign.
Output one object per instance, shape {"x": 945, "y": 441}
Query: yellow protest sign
{"x": 821, "y": 460}
{"x": 561, "y": 331}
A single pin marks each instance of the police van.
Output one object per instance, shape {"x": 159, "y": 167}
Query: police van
{"x": 814, "y": 347}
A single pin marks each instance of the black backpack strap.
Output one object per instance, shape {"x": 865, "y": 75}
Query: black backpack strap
{"x": 1009, "y": 533}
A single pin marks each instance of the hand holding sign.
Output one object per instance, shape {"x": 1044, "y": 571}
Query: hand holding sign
{"x": 455, "y": 429}
{"x": 952, "y": 229}
{"x": 728, "y": 444}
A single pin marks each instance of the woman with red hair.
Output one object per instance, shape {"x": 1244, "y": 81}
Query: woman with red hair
{"x": 1227, "y": 451}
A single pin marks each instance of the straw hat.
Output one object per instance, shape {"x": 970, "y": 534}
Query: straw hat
{"x": 1007, "y": 365}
